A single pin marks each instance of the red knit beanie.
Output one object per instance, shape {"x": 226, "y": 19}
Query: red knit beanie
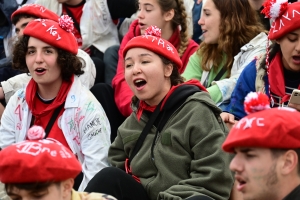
{"x": 37, "y": 160}
{"x": 153, "y": 42}
{"x": 286, "y": 17}
{"x": 36, "y": 11}
{"x": 275, "y": 128}
{"x": 55, "y": 34}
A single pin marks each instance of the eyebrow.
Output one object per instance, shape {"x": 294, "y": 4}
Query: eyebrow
{"x": 146, "y": 4}
{"x": 140, "y": 55}
{"x": 46, "y": 47}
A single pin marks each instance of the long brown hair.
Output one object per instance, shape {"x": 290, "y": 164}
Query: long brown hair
{"x": 239, "y": 24}
{"x": 180, "y": 18}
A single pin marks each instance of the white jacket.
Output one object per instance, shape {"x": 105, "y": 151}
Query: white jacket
{"x": 83, "y": 123}
{"x": 96, "y": 25}
{"x": 20, "y": 81}
{"x": 248, "y": 52}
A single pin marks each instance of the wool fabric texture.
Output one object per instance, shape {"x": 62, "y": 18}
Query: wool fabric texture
{"x": 36, "y": 11}
{"x": 57, "y": 34}
{"x": 275, "y": 128}
{"x": 37, "y": 160}
{"x": 157, "y": 45}
{"x": 287, "y": 22}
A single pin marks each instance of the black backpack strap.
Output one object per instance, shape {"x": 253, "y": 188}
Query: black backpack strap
{"x": 53, "y": 119}
{"x": 145, "y": 132}
{"x": 218, "y": 77}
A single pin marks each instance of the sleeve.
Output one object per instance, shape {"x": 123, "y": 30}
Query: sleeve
{"x": 7, "y": 128}
{"x": 215, "y": 93}
{"x": 94, "y": 141}
{"x": 193, "y": 69}
{"x": 116, "y": 153}
{"x": 13, "y": 84}
{"x": 88, "y": 77}
{"x": 209, "y": 169}
{"x": 123, "y": 93}
{"x": 227, "y": 85}
{"x": 245, "y": 84}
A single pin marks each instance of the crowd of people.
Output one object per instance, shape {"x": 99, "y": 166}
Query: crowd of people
{"x": 149, "y": 99}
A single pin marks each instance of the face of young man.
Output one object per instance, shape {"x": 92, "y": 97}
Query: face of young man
{"x": 21, "y": 24}
{"x": 256, "y": 173}
{"x": 52, "y": 192}
{"x": 57, "y": 191}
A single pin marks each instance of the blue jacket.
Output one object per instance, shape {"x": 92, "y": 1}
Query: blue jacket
{"x": 244, "y": 85}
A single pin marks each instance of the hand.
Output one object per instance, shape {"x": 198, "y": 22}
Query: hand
{"x": 228, "y": 119}
{"x": 293, "y": 105}
{"x": 199, "y": 1}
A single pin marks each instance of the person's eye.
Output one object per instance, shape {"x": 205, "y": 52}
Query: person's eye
{"x": 29, "y": 52}
{"x": 250, "y": 155}
{"x": 145, "y": 62}
{"x": 292, "y": 39}
{"x": 128, "y": 65}
{"x": 49, "y": 51}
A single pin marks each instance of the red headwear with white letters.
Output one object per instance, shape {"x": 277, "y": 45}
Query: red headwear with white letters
{"x": 37, "y": 160}
{"x": 152, "y": 41}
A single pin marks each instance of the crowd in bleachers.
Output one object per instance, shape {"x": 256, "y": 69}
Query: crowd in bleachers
{"x": 149, "y": 99}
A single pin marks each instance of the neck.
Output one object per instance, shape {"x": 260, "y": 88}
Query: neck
{"x": 49, "y": 91}
{"x": 256, "y": 4}
{"x": 74, "y": 2}
{"x": 288, "y": 185}
{"x": 167, "y": 32}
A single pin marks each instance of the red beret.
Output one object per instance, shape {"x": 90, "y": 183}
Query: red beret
{"x": 37, "y": 160}
{"x": 153, "y": 42}
{"x": 275, "y": 128}
{"x": 36, "y": 11}
{"x": 286, "y": 17}
{"x": 55, "y": 34}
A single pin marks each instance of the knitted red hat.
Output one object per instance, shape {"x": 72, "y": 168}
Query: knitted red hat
{"x": 36, "y": 11}
{"x": 276, "y": 128}
{"x": 37, "y": 160}
{"x": 286, "y": 17}
{"x": 55, "y": 34}
{"x": 152, "y": 41}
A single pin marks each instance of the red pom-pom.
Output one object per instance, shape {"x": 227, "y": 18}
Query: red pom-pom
{"x": 153, "y": 30}
{"x": 36, "y": 133}
{"x": 66, "y": 23}
{"x": 274, "y": 8}
{"x": 256, "y": 101}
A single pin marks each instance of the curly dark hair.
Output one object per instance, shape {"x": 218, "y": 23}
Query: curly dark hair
{"x": 69, "y": 63}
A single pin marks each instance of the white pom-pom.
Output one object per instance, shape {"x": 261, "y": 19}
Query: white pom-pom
{"x": 276, "y": 8}
{"x": 36, "y": 133}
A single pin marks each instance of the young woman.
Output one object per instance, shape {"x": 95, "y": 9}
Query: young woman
{"x": 171, "y": 142}
{"x": 170, "y": 17}
{"x": 55, "y": 98}
{"x": 277, "y": 72}
{"x": 233, "y": 37}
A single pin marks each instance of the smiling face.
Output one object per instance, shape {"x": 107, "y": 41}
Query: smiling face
{"x": 150, "y": 14}
{"x": 290, "y": 48}
{"x": 210, "y": 22}
{"x": 41, "y": 60}
{"x": 256, "y": 173}
{"x": 147, "y": 76}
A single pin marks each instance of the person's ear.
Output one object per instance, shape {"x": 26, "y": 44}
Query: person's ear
{"x": 289, "y": 162}
{"x": 169, "y": 15}
{"x": 66, "y": 188}
{"x": 168, "y": 70}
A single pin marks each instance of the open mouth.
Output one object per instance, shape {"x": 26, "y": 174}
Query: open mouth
{"x": 241, "y": 184}
{"x": 139, "y": 83}
{"x": 40, "y": 70}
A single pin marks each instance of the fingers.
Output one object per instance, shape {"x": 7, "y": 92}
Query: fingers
{"x": 199, "y": 1}
{"x": 227, "y": 117}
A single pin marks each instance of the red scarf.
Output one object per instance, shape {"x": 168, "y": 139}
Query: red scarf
{"x": 31, "y": 98}
{"x": 276, "y": 78}
{"x": 144, "y": 106}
